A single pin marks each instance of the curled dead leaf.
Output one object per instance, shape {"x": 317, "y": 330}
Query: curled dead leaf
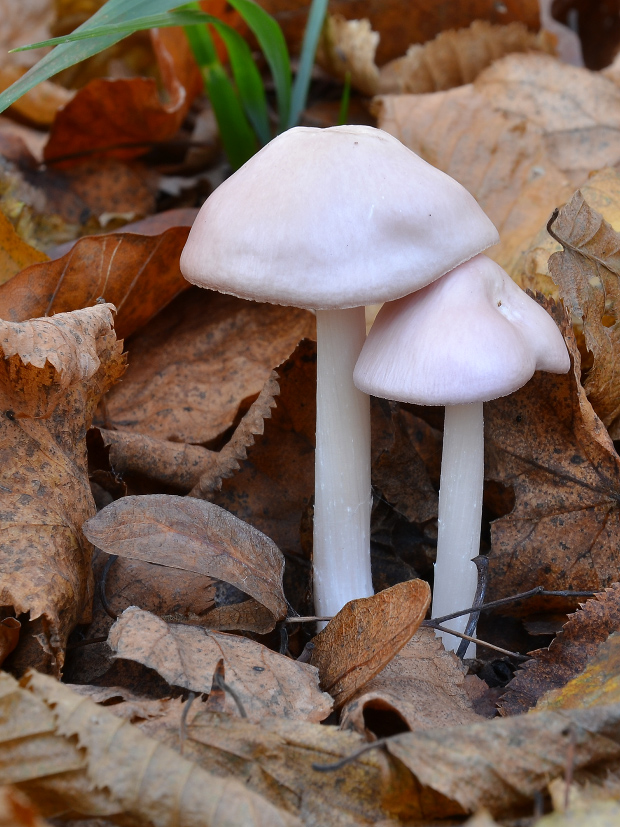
{"x": 266, "y": 682}
{"x": 53, "y": 373}
{"x": 365, "y": 635}
{"x": 198, "y": 536}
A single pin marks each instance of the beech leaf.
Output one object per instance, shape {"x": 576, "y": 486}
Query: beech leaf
{"x": 193, "y": 535}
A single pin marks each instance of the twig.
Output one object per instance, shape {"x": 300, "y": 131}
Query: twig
{"x": 478, "y": 641}
{"x": 307, "y": 619}
{"x": 570, "y": 765}
{"x": 102, "y": 594}
{"x": 381, "y": 742}
{"x": 183, "y": 724}
{"x": 89, "y": 642}
{"x": 307, "y": 653}
{"x": 482, "y": 564}
{"x": 219, "y": 681}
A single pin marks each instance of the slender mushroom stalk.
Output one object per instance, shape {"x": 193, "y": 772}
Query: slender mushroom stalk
{"x": 469, "y": 337}
{"x": 341, "y": 551}
{"x": 331, "y": 220}
{"x": 460, "y": 515}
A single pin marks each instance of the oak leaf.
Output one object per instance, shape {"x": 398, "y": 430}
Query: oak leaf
{"x": 266, "y": 682}
{"x": 193, "y": 535}
{"x": 52, "y": 375}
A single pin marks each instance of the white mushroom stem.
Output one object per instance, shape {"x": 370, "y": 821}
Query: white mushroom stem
{"x": 460, "y": 515}
{"x": 341, "y": 554}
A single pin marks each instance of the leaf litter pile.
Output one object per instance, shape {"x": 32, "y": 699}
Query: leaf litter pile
{"x": 160, "y": 663}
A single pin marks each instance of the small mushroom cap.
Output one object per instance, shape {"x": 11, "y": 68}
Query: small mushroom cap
{"x": 471, "y": 336}
{"x": 333, "y": 218}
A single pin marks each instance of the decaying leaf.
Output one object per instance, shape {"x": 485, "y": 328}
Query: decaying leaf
{"x": 266, "y": 682}
{"x": 194, "y": 366}
{"x": 401, "y": 23}
{"x": 275, "y": 758}
{"x": 454, "y": 58}
{"x": 423, "y": 685}
{"x": 514, "y": 138}
{"x": 568, "y": 655}
{"x": 193, "y": 535}
{"x": 587, "y": 274}
{"x": 16, "y": 810}
{"x": 122, "y": 118}
{"x": 97, "y": 752}
{"x": 546, "y": 442}
{"x": 9, "y": 636}
{"x": 365, "y": 635}
{"x": 502, "y": 764}
{"x": 347, "y": 47}
{"x": 598, "y": 684}
{"x": 53, "y": 373}
{"x": 138, "y": 273}
{"x": 15, "y": 253}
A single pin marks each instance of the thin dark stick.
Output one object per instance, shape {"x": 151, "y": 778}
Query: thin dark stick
{"x": 550, "y": 224}
{"x": 381, "y": 742}
{"x": 307, "y": 619}
{"x": 89, "y": 642}
{"x": 183, "y": 724}
{"x": 102, "y": 594}
{"x": 219, "y": 681}
{"x": 482, "y": 564}
{"x": 504, "y": 601}
{"x": 481, "y": 642}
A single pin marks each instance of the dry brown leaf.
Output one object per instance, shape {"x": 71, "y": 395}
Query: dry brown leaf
{"x": 15, "y": 254}
{"x": 266, "y": 683}
{"x": 138, "y": 273}
{"x": 53, "y": 373}
{"x": 568, "y": 655}
{"x": 365, "y": 635}
{"x": 423, "y": 685}
{"x": 347, "y": 47}
{"x": 107, "y": 114}
{"x": 197, "y": 536}
{"x": 515, "y": 138}
{"x": 143, "y": 778}
{"x": 586, "y": 273}
{"x": 502, "y": 764}
{"x": 16, "y": 810}
{"x": 454, "y": 58}
{"x": 274, "y": 758}
{"x": 38, "y": 105}
{"x": 400, "y": 22}
{"x": 546, "y": 442}
{"x": 194, "y": 366}
{"x": 9, "y": 636}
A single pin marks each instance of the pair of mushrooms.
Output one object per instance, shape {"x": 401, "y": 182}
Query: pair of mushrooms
{"x": 334, "y": 219}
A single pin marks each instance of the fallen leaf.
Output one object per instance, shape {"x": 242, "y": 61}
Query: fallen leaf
{"x": 599, "y": 683}
{"x": 423, "y": 685}
{"x": 9, "y": 636}
{"x": 596, "y": 814}
{"x": 15, "y": 254}
{"x": 38, "y": 105}
{"x": 546, "y": 442}
{"x": 197, "y": 536}
{"x": 454, "y": 58}
{"x": 502, "y": 764}
{"x": 107, "y": 115}
{"x": 567, "y": 656}
{"x": 16, "y": 810}
{"x": 365, "y": 635}
{"x": 130, "y": 772}
{"x": 274, "y": 758}
{"x": 138, "y": 273}
{"x": 347, "y": 47}
{"x": 400, "y": 23}
{"x": 514, "y": 138}
{"x": 53, "y": 373}
{"x": 266, "y": 682}
{"x": 586, "y": 273}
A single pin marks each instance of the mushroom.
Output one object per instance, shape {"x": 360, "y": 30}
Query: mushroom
{"x": 331, "y": 220}
{"x": 469, "y": 337}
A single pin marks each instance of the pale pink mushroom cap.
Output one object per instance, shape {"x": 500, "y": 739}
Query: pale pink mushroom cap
{"x": 333, "y": 218}
{"x": 471, "y": 336}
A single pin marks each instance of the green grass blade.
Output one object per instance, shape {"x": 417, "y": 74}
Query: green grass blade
{"x": 273, "y": 45}
{"x": 68, "y": 54}
{"x": 343, "y": 114}
{"x": 312, "y": 33}
{"x": 235, "y": 131}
